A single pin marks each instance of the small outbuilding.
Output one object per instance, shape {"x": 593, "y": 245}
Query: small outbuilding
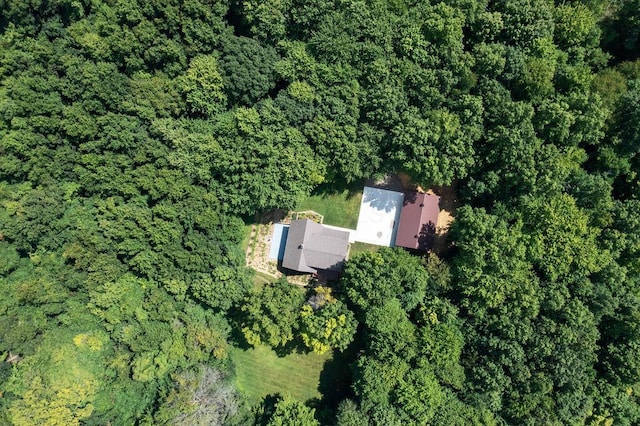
{"x": 312, "y": 247}
{"x": 379, "y": 216}
{"x": 418, "y": 219}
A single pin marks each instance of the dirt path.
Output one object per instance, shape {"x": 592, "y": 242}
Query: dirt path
{"x": 449, "y": 203}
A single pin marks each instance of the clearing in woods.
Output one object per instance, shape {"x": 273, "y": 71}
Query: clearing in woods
{"x": 261, "y": 372}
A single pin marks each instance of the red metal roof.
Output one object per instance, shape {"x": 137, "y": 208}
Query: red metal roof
{"x": 418, "y": 221}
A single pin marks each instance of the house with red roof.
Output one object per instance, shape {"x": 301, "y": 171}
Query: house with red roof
{"x": 418, "y": 219}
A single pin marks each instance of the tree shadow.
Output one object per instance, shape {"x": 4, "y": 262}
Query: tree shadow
{"x": 390, "y": 182}
{"x": 236, "y": 337}
{"x": 329, "y": 277}
{"x": 295, "y": 346}
{"x": 266, "y": 408}
{"x": 449, "y": 199}
{"x": 266, "y": 217}
{"x": 338, "y": 187}
{"x": 444, "y": 246}
{"x": 410, "y": 197}
{"x": 382, "y": 199}
{"x": 335, "y": 380}
{"x": 427, "y": 236}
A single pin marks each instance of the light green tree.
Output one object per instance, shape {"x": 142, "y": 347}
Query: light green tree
{"x": 272, "y": 315}
{"x": 203, "y": 87}
{"x": 289, "y": 412}
{"x": 331, "y": 326}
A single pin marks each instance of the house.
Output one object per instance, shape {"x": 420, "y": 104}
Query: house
{"x": 379, "y": 216}
{"x": 312, "y": 247}
{"x": 418, "y": 218}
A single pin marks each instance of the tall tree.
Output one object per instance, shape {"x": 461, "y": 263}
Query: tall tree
{"x": 272, "y": 315}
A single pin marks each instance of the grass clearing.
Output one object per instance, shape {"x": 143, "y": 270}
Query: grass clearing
{"x": 246, "y": 237}
{"x": 260, "y": 278}
{"x": 339, "y": 209}
{"x": 260, "y": 372}
{"x": 359, "y": 247}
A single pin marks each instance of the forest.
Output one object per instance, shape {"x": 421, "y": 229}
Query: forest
{"x": 139, "y": 137}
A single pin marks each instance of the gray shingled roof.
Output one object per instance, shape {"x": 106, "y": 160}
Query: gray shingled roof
{"x": 311, "y": 247}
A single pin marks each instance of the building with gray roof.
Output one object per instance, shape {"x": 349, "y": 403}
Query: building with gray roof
{"x": 312, "y": 247}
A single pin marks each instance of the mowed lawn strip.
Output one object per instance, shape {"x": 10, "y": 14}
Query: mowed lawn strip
{"x": 359, "y": 247}
{"x": 246, "y": 238}
{"x": 260, "y": 372}
{"x": 260, "y": 278}
{"x": 340, "y": 209}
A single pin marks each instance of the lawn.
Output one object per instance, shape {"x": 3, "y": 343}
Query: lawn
{"x": 260, "y": 372}
{"x": 359, "y": 247}
{"x": 260, "y": 278}
{"x": 339, "y": 209}
{"x": 246, "y": 237}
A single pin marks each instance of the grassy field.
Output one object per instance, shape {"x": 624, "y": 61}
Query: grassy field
{"x": 339, "y": 209}
{"x": 260, "y": 372}
{"x": 359, "y": 247}
{"x": 260, "y": 278}
{"x": 246, "y": 237}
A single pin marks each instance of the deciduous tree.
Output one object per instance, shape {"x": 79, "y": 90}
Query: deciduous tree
{"x": 272, "y": 315}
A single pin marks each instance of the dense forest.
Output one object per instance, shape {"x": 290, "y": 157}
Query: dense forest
{"x": 138, "y": 137}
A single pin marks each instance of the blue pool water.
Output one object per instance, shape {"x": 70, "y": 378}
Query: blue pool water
{"x": 278, "y": 241}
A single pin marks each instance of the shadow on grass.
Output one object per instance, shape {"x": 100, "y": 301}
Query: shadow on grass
{"x": 295, "y": 346}
{"x": 335, "y": 383}
{"x": 359, "y": 247}
{"x": 333, "y": 188}
{"x": 266, "y": 408}
{"x": 236, "y": 337}
{"x": 265, "y": 217}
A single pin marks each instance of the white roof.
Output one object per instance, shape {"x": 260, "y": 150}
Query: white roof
{"x": 379, "y": 216}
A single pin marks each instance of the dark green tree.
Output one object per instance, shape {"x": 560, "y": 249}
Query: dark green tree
{"x": 374, "y": 278}
{"x": 247, "y": 69}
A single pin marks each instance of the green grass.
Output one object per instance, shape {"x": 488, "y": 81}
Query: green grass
{"x": 359, "y": 247}
{"x": 339, "y": 209}
{"x": 260, "y": 372}
{"x": 246, "y": 237}
{"x": 260, "y": 278}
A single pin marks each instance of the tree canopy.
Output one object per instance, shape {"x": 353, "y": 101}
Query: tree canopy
{"x": 138, "y": 138}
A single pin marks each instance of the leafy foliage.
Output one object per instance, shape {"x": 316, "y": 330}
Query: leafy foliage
{"x": 373, "y": 278}
{"x": 272, "y": 315}
{"x": 330, "y": 326}
{"x": 134, "y": 136}
{"x": 247, "y": 69}
{"x": 202, "y": 85}
{"x": 289, "y": 412}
